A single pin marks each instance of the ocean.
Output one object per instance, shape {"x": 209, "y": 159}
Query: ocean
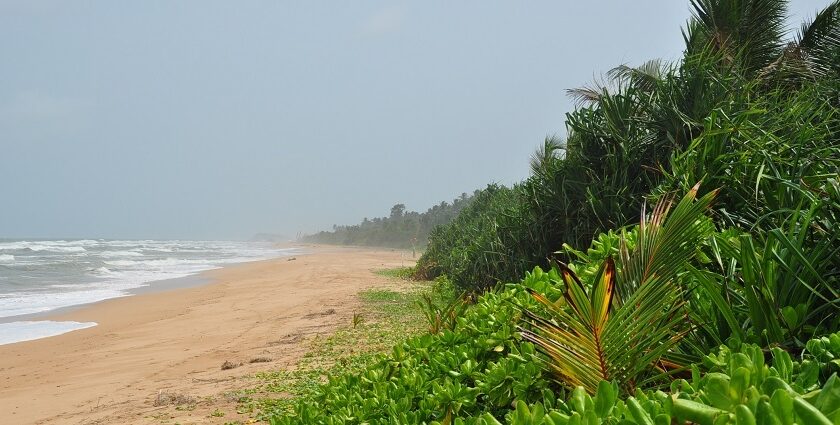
{"x": 39, "y": 276}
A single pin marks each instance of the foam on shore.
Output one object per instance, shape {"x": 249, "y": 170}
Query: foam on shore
{"x": 43, "y": 276}
{"x": 29, "y": 330}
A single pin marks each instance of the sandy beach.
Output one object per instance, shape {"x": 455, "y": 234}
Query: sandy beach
{"x": 174, "y": 342}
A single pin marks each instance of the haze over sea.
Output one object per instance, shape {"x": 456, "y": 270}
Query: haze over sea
{"x": 39, "y": 276}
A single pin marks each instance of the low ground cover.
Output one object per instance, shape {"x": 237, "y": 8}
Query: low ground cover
{"x": 594, "y": 341}
{"x": 387, "y": 316}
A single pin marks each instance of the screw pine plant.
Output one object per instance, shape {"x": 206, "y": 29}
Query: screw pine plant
{"x": 786, "y": 281}
{"x": 442, "y": 317}
{"x": 622, "y": 327}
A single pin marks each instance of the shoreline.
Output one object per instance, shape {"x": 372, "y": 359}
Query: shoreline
{"x": 151, "y": 287}
{"x": 175, "y": 341}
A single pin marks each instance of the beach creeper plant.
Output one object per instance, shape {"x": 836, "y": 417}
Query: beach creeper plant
{"x": 464, "y": 378}
{"x": 739, "y": 388}
{"x": 621, "y": 326}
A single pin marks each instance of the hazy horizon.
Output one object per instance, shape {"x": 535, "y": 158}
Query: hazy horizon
{"x": 201, "y": 120}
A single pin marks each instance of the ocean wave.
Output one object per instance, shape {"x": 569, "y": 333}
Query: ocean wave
{"x": 17, "y": 304}
{"x": 118, "y": 254}
{"x": 158, "y": 249}
{"x": 157, "y": 263}
{"x": 54, "y": 246}
{"x": 48, "y": 248}
{"x": 104, "y": 272}
{"x": 35, "y": 247}
{"x": 26, "y": 331}
{"x": 39, "y": 276}
{"x": 130, "y": 279}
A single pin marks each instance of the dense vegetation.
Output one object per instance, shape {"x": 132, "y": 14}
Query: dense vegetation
{"x": 745, "y": 111}
{"x": 651, "y": 298}
{"x": 400, "y": 229}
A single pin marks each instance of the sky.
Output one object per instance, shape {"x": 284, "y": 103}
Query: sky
{"x": 218, "y": 120}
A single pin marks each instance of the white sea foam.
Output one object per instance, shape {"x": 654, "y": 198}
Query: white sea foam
{"x": 41, "y": 276}
{"x": 50, "y": 248}
{"x": 118, "y": 254}
{"x": 47, "y": 246}
{"x": 26, "y": 331}
{"x": 17, "y": 304}
{"x": 176, "y": 263}
{"x": 105, "y": 272}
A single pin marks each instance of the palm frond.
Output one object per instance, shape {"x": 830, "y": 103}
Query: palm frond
{"x": 631, "y": 315}
{"x": 550, "y": 150}
{"x": 586, "y": 95}
{"x": 824, "y": 26}
{"x": 644, "y": 77}
{"x": 818, "y": 41}
{"x": 748, "y": 32}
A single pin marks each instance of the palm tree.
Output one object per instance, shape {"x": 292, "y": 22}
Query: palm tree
{"x": 814, "y": 54}
{"x": 632, "y": 314}
{"x": 749, "y": 36}
{"x": 733, "y": 42}
{"x": 621, "y": 138}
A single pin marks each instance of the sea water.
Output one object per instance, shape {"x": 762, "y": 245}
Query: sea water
{"x": 39, "y": 276}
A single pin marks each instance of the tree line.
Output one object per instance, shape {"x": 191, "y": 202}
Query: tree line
{"x": 400, "y": 229}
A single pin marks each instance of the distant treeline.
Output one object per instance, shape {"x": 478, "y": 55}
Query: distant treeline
{"x": 400, "y": 229}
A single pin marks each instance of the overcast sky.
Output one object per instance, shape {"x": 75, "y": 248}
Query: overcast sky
{"x": 208, "y": 119}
